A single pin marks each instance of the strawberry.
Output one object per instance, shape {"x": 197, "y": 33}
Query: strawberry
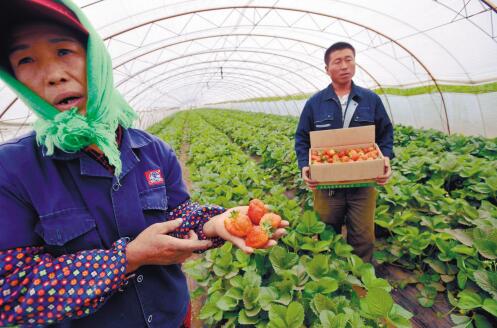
{"x": 256, "y": 210}
{"x": 271, "y": 220}
{"x": 238, "y": 224}
{"x": 257, "y": 237}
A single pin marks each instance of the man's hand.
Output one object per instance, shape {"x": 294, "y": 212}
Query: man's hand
{"x": 215, "y": 228}
{"x": 306, "y": 175}
{"x": 154, "y": 247}
{"x": 387, "y": 173}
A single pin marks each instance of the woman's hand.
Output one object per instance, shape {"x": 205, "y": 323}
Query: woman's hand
{"x": 215, "y": 228}
{"x": 154, "y": 247}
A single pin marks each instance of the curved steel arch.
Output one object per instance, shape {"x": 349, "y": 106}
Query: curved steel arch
{"x": 251, "y": 62}
{"x": 308, "y": 12}
{"x": 244, "y": 34}
{"x": 226, "y": 75}
{"x": 216, "y": 68}
{"x": 259, "y": 89}
{"x": 251, "y": 51}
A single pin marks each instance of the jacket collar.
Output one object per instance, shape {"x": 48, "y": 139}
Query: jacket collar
{"x": 355, "y": 93}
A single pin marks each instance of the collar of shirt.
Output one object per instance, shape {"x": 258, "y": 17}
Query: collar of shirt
{"x": 130, "y": 140}
{"x": 329, "y": 93}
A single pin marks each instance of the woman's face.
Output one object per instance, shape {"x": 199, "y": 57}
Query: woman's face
{"x": 51, "y": 61}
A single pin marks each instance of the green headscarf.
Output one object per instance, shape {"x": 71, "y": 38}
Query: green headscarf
{"x": 106, "y": 108}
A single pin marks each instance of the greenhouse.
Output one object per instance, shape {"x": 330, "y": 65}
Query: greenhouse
{"x": 224, "y": 84}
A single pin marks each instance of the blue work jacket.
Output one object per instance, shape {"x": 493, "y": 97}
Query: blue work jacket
{"x": 68, "y": 202}
{"x": 323, "y": 112}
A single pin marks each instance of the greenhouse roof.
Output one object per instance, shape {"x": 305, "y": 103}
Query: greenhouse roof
{"x": 184, "y": 54}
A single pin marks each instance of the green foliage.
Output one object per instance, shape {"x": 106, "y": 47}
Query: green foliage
{"x": 439, "y": 214}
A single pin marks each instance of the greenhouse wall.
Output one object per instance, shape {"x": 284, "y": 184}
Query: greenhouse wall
{"x": 468, "y": 114}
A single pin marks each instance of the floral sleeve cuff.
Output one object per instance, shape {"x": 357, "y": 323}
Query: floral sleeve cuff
{"x": 194, "y": 217}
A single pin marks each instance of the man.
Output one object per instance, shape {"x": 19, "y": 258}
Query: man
{"x": 95, "y": 216}
{"x": 341, "y": 105}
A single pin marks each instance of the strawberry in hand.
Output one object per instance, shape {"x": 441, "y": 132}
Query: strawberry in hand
{"x": 256, "y": 210}
{"x": 238, "y": 224}
{"x": 271, "y": 220}
{"x": 258, "y": 237}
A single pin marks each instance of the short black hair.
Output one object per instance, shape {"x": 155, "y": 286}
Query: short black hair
{"x": 335, "y": 47}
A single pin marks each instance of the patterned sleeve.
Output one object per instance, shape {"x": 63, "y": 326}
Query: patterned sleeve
{"x": 194, "y": 217}
{"x": 38, "y": 289}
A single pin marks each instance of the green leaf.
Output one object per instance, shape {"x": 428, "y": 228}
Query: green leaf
{"x": 277, "y": 314}
{"x": 437, "y": 266}
{"x": 281, "y": 259}
{"x": 295, "y": 315}
{"x": 325, "y": 285}
{"x": 377, "y": 303}
{"x": 487, "y": 280}
{"x": 343, "y": 249}
{"x": 253, "y": 311}
{"x": 266, "y": 296}
{"x": 310, "y": 224}
{"x": 322, "y": 303}
{"x": 462, "y": 278}
{"x": 235, "y": 293}
{"x": 318, "y": 267}
{"x": 326, "y": 318}
{"x": 492, "y": 182}
{"x": 399, "y": 317}
{"x": 482, "y": 322}
{"x": 226, "y": 303}
{"x": 460, "y": 319}
{"x": 469, "y": 300}
{"x": 490, "y": 305}
{"x": 250, "y": 296}
{"x": 252, "y": 278}
{"x": 462, "y": 249}
{"x": 243, "y": 319}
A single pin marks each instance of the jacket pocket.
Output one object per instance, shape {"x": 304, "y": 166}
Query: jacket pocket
{"x": 324, "y": 123}
{"x": 364, "y": 116}
{"x": 68, "y": 231}
{"x": 154, "y": 204}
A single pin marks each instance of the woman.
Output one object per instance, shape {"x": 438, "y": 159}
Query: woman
{"x": 95, "y": 216}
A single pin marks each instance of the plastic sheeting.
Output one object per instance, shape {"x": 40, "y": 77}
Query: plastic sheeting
{"x": 171, "y": 55}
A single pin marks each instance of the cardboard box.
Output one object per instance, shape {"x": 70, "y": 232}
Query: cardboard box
{"x": 351, "y": 174}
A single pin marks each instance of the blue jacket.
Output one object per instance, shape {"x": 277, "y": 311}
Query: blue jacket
{"x": 323, "y": 112}
{"x": 68, "y": 202}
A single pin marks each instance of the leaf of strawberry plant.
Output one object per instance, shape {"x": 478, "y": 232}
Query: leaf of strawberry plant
{"x": 377, "y": 303}
{"x": 281, "y": 259}
{"x": 310, "y": 224}
{"x": 266, "y": 296}
{"x": 469, "y": 300}
{"x": 318, "y": 267}
{"x": 295, "y": 315}
{"x": 325, "y": 285}
{"x": 487, "y": 280}
{"x": 226, "y": 303}
{"x": 250, "y": 296}
{"x": 490, "y": 305}
{"x": 399, "y": 317}
{"x": 243, "y": 319}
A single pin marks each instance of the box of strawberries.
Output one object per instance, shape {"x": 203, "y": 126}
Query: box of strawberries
{"x": 342, "y": 158}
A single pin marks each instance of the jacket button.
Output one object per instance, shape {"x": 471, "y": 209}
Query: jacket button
{"x": 139, "y": 278}
{"x": 149, "y": 319}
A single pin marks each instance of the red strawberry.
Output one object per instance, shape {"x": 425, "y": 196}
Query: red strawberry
{"x": 271, "y": 220}
{"x": 238, "y": 224}
{"x": 256, "y": 210}
{"x": 257, "y": 237}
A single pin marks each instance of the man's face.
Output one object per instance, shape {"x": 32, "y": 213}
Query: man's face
{"x": 50, "y": 61}
{"x": 341, "y": 66}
